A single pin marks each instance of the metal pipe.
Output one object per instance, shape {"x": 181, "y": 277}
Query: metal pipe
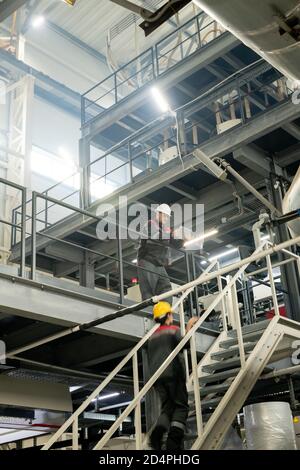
{"x": 269, "y": 28}
{"x": 272, "y": 285}
{"x": 278, "y": 373}
{"x": 250, "y": 188}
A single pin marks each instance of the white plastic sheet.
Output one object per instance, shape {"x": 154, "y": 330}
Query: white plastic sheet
{"x": 269, "y": 426}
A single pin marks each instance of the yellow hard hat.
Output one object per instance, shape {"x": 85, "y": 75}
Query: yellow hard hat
{"x": 161, "y": 309}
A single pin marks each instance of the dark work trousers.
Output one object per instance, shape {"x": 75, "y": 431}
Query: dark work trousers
{"x": 174, "y": 403}
{"x": 153, "y": 280}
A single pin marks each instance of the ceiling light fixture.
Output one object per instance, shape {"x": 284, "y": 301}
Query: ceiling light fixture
{"x": 160, "y": 100}
{"x": 106, "y": 397}
{"x": 38, "y": 21}
{"x": 224, "y": 254}
{"x": 202, "y": 237}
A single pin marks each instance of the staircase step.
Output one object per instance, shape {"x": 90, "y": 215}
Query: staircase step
{"x": 222, "y": 365}
{"x": 220, "y": 388}
{"x": 248, "y": 338}
{"x": 206, "y": 404}
{"x": 212, "y": 389}
{"x": 262, "y": 325}
{"x": 219, "y": 376}
{"x": 234, "y": 351}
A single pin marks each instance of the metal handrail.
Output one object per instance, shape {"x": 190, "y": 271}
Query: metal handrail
{"x": 261, "y": 252}
{"x": 112, "y": 75}
{"x": 172, "y": 356}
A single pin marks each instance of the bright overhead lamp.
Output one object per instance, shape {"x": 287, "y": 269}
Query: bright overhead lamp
{"x": 106, "y": 397}
{"x": 38, "y": 21}
{"x": 224, "y": 254}
{"x": 134, "y": 261}
{"x": 202, "y": 237}
{"x": 160, "y": 100}
{"x": 75, "y": 387}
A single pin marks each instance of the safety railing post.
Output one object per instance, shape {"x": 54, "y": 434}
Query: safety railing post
{"x": 33, "y": 236}
{"x": 121, "y": 267}
{"x": 13, "y": 229}
{"x": 198, "y": 32}
{"x": 243, "y": 118}
{"x": 46, "y": 210}
{"x": 130, "y": 162}
{"x": 223, "y": 305}
{"x": 238, "y": 326}
{"x": 137, "y": 414}
{"x": 116, "y": 88}
{"x": 196, "y": 289}
{"x": 23, "y": 233}
{"x": 75, "y": 431}
{"x": 272, "y": 284}
{"x": 157, "y": 60}
{"x": 187, "y": 264}
{"x": 199, "y": 420}
{"x": 153, "y": 63}
{"x": 182, "y": 330}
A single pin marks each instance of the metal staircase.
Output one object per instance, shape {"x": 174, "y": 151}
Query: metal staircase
{"x": 223, "y": 379}
{"x": 224, "y": 385}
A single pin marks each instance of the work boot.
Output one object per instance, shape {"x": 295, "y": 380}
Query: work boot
{"x": 175, "y": 439}
{"x": 156, "y": 437}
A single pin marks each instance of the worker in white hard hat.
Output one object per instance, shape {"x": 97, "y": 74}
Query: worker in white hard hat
{"x": 153, "y": 254}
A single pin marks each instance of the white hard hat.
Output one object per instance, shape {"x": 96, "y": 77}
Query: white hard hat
{"x": 164, "y": 209}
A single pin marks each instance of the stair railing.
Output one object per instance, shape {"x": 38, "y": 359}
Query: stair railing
{"x": 189, "y": 337}
{"x": 135, "y": 405}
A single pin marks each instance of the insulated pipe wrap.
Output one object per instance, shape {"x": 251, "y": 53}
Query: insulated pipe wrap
{"x": 269, "y": 426}
{"x": 257, "y": 24}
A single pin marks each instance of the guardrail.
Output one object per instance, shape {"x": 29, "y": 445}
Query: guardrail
{"x": 148, "y": 66}
{"x": 14, "y": 226}
{"x": 230, "y": 104}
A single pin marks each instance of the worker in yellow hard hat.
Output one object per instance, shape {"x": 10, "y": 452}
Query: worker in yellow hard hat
{"x": 171, "y": 385}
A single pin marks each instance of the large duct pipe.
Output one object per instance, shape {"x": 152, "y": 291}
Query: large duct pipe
{"x": 269, "y": 27}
